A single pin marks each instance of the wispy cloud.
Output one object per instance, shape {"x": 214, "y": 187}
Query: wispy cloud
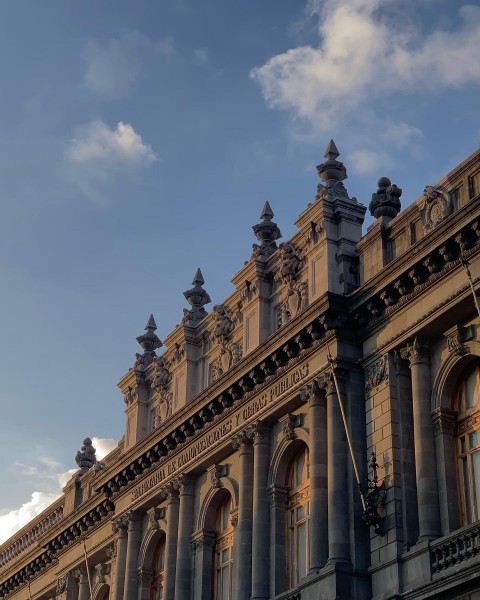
{"x": 358, "y": 42}
{"x": 52, "y": 476}
{"x": 114, "y": 67}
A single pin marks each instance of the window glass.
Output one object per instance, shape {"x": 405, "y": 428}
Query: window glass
{"x": 223, "y": 553}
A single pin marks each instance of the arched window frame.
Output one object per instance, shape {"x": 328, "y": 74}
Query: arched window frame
{"x": 158, "y": 571}
{"x": 297, "y": 517}
{"x": 223, "y": 552}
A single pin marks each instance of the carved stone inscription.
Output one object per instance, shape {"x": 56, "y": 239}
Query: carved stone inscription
{"x": 224, "y": 430}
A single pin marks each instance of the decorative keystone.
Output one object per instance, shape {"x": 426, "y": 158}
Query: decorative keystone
{"x": 267, "y": 232}
{"x": 386, "y": 200}
{"x": 197, "y": 297}
{"x": 149, "y": 342}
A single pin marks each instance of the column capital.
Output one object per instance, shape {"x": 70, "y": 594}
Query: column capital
{"x": 134, "y": 520}
{"x": 203, "y": 539}
{"x": 259, "y": 431}
{"x": 314, "y": 390}
{"x": 169, "y": 492}
{"x": 444, "y": 421}
{"x": 277, "y": 495}
{"x": 416, "y": 352}
{"x": 80, "y": 573}
{"x": 120, "y": 525}
{"x": 243, "y": 439}
{"x": 183, "y": 483}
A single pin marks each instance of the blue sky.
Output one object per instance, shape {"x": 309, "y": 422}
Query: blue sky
{"x": 140, "y": 140}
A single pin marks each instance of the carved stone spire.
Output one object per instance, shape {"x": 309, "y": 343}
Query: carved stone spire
{"x": 149, "y": 342}
{"x": 386, "y": 200}
{"x": 267, "y": 232}
{"x": 333, "y": 172}
{"x": 197, "y": 297}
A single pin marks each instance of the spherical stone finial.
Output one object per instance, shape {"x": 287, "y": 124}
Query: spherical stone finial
{"x": 386, "y": 200}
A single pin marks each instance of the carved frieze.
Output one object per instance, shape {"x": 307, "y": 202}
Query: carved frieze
{"x": 230, "y": 351}
{"x": 162, "y": 393}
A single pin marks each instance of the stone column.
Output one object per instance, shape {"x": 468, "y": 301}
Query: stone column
{"x": 134, "y": 539}
{"x": 83, "y": 589}
{"x": 171, "y": 541}
{"x": 242, "y": 575}
{"x": 261, "y": 512}
{"x": 338, "y": 514}
{"x": 317, "y": 416}
{"x": 444, "y": 421}
{"x": 278, "y": 501}
{"x": 185, "y": 485}
{"x": 425, "y": 458}
{"x": 202, "y": 545}
{"x": 120, "y": 527}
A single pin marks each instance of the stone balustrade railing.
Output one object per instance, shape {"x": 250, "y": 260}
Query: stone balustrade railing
{"x": 27, "y": 538}
{"x": 456, "y": 548}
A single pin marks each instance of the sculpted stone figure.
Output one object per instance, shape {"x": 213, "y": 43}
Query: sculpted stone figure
{"x": 162, "y": 376}
{"x": 224, "y": 324}
{"x": 292, "y": 262}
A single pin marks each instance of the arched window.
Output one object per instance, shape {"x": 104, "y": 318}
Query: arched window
{"x": 466, "y": 403}
{"x": 158, "y": 570}
{"x": 298, "y": 483}
{"x": 223, "y": 553}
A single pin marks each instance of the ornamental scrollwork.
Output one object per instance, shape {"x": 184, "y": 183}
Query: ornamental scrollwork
{"x": 291, "y": 265}
{"x": 435, "y": 208}
{"x": 230, "y": 351}
{"x": 161, "y": 388}
{"x": 376, "y": 374}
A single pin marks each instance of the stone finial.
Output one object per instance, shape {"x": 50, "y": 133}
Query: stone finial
{"x": 332, "y": 169}
{"x": 386, "y": 200}
{"x": 85, "y": 457}
{"x": 197, "y": 297}
{"x": 149, "y": 342}
{"x": 267, "y": 232}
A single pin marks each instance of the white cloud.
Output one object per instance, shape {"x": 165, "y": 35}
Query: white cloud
{"x": 54, "y": 477}
{"x": 366, "y": 161}
{"x": 364, "y": 56}
{"x": 114, "y": 67}
{"x": 401, "y": 134}
{"x": 12, "y": 521}
{"x": 99, "y": 143}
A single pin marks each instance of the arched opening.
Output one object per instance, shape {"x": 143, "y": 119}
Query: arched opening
{"x": 223, "y": 552}
{"x": 158, "y": 570}
{"x": 297, "y": 517}
{"x": 466, "y": 403}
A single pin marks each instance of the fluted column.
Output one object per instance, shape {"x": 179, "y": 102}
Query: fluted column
{"x": 120, "y": 527}
{"x": 261, "y": 512}
{"x": 171, "y": 541}
{"x": 338, "y": 531}
{"x": 242, "y": 581}
{"x": 185, "y": 486}
{"x": 317, "y": 415}
{"x": 425, "y": 456}
{"x": 134, "y": 538}
{"x": 82, "y": 578}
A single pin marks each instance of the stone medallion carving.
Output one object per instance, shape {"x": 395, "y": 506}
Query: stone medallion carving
{"x": 291, "y": 265}
{"x": 435, "y": 208}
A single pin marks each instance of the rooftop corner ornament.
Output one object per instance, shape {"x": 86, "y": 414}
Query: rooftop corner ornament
{"x": 374, "y": 496}
{"x": 149, "y": 342}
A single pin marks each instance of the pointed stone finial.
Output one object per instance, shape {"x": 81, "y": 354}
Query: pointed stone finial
{"x": 151, "y": 325}
{"x": 331, "y": 152}
{"x": 332, "y": 170}
{"x": 197, "y": 297}
{"x": 198, "y": 279}
{"x": 385, "y": 202}
{"x": 267, "y": 212}
{"x": 149, "y": 342}
{"x": 267, "y": 232}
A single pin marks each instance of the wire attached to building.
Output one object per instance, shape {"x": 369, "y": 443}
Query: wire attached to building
{"x": 87, "y": 569}
{"x": 466, "y": 265}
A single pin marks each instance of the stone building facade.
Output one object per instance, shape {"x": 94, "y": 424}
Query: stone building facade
{"x": 314, "y": 436}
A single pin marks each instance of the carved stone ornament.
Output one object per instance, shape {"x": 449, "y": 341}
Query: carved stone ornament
{"x": 291, "y": 265}
{"x": 230, "y": 351}
{"x": 435, "y": 208}
{"x": 85, "y": 457}
{"x": 101, "y": 571}
{"x": 333, "y": 173}
{"x": 456, "y": 338}
{"x": 197, "y": 297}
{"x": 62, "y": 584}
{"x": 162, "y": 394}
{"x": 149, "y": 342}
{"x": 289, "y": 423}
{"x": 386, "y": 200}
{"x": 416, "y": 352}
{"x": 267, "y": 232}
{"x": 376, "y": 374}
